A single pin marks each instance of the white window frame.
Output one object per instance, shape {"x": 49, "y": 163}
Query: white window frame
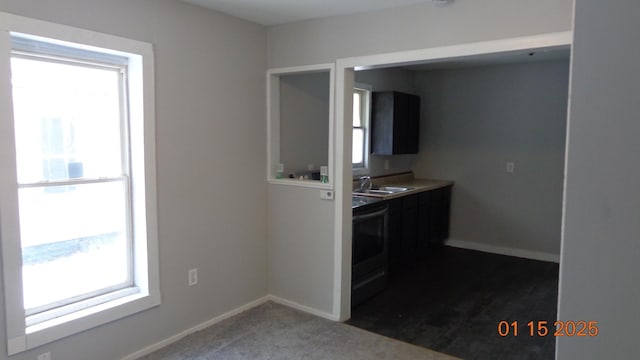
{"x": 273, "y": 124}
{"x": 140, "y": 83}
{"x": 365, "y": 116}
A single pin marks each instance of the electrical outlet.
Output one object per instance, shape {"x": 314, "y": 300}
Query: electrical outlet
{"x": 510, "y": 167}
{"x": 326, "y": 194}
{"x": 193, "y": 278}
{"x": 45, "y": 356}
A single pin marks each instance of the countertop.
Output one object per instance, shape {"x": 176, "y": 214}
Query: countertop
{"x": 405, "y": 180}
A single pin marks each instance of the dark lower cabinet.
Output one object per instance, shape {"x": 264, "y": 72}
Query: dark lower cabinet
{"x": 426, "y": 223}
{"x": 417, "y": 224}
{"x": 395, "y": 232}
{"x": 439, "y": 218}
{"x": 434, "y": 208}
{"x": 410, "y": 221}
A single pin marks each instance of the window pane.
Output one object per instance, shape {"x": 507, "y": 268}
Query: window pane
{"x": 73, "y": 240}
{"x": 357, "y": 119}
{"x": 358, "y": 146}
{"x": 67, "y": 120}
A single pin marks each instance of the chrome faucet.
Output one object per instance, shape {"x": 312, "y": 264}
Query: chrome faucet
{"x": 365, "y": 183}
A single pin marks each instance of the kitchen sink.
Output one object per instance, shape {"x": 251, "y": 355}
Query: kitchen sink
{"x": 391, "y": 189}
{"x": 382, "y": 190}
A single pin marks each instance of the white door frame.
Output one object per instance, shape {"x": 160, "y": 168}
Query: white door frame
{"x": 345, "y": 69}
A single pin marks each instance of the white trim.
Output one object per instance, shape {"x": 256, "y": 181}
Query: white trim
{"x": 273, "y": 121}
{"x": 363, "y": 86}
{"x": 366, "y": 125}
{"x": 12, "y": 265}
{"x": 16, "y": 345}
{"x": 344, "y": 78}
{"x": 504, "y": 250}
{"x": 91, "y": 39}
{"x": 304, "y": 69}
{"x": 303, "y": 308}
{"x": 553, "y": 40}
{"x": 302, "y": 183}
{"x": 172, "y": 339}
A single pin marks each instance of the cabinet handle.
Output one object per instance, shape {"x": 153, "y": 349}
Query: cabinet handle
{"x": 369, "y": 216}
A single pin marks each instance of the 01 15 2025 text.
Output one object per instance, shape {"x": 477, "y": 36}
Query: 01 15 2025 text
{"x": 541, "y": 328}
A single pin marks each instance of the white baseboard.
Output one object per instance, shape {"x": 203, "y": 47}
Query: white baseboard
{"x": 166, "y": 342}
{"x": 502, "y": 250}
{"x": 303, "y": 308}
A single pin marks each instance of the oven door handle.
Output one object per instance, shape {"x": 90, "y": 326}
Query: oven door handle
{"x": 369, "y": 216}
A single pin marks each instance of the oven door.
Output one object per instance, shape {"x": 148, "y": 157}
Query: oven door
{"x": 369, "y": 252}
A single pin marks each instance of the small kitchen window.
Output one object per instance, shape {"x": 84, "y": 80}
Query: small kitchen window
{"x": 361, "y": 115}
{"x": 300, "y": 125}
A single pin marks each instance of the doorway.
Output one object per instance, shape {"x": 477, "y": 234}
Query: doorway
{"x": 553, "y": 47}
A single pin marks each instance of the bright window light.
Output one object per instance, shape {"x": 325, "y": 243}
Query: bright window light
{"x": 360, "y": 146}
{"x": 73, "y": 183}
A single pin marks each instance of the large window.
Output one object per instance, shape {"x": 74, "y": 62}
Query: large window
{"x": 361, "y": 114}
{"x": 81, "y": 244}
{"x": 73, "y": 180}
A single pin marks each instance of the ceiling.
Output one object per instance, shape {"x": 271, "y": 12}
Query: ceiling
{"x": 274, "y": 12}
{"x": 502, "y": 58}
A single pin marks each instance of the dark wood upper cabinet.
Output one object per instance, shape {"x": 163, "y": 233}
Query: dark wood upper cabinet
{"x": 395, "y": 123}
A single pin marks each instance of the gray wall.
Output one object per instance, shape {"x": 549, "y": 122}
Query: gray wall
{"x": 473, "y": 121}
{"x": 304, "y": 121}
{"x": 210, "y": 78}
{"x": 390, "y": 79}
{"x": 601, "y": 239}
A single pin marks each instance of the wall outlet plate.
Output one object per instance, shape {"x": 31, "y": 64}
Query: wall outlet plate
{"x": 326, "y": 194}
{"x": 510, "y": 167}
{"x": 193, "y": 277}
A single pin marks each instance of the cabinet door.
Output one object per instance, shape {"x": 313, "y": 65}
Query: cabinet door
{"x": 413, "y": 124}
{"x": 382, "y": 123}
{"x": 409, "y": 226}
{"x": 400, "y": 122}
{"x": 425, "y": 222}
{"x": 395, "y": 233}
{"x": 395, "y": 119}
{"x": 439, "y": 220}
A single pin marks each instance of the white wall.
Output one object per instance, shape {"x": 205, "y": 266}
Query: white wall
{"x": 600, "y": 261}
{"x": 473, "y": 121}
{"x": 210, "y": 81}
{"x": 326, "y": 40}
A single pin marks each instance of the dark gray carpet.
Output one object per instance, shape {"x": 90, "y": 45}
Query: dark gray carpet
{"x": 272, "y": 331}
{"x": 453, "y": 299}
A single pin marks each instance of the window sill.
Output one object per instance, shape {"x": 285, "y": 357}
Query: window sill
{"x": 85, "y": 319}
{"x": 81, "y": 309}
{"x": 302, "y": 183}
